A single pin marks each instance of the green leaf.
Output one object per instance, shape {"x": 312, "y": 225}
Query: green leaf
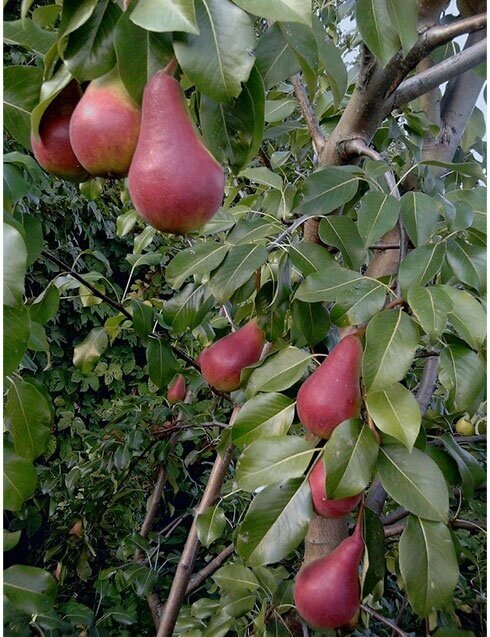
{"x": 279, "y": 371}
{"x": 28, "y": 418}
{"x": 263, "y": 176}
{"x": 188, "y": 309}
{"x": 467, "y": 316}
{"x": 45, "y": 306}
{"x": 350, "y": 457}
{"x": 391, "y": 340}
{"x": 143, "y": 318}
{"x": 220, "y": 58}
{"x": 237, "y": 268}
{"x": 374, "y": 538}
{"x": 377, "y": 215}
{"x": 165, "y": 15}
{"x": 162, "y": 364}
{"x": 29, "y": 589}
{"x": 269, "y": 460}
{"x": 19, "y": 479}
{"x": 468, "y": 262}
{"x": 200, "y": 259}
{"x": 331, "y": 59}
{"x": 233, "y": 132}
{"x": 14, "y": 265}
{"x": 431, "y": 307}
{"x": 279, "y": 10}
{"x": 49, "y": 90}
{"x": 420, "y": 214}
{"x": 310, "y": 257}
{"x": 16, "y": 331}
{"x": 87, "y": 353}
{"x": 302, "y": 41}
{"x": 33, "y": 237}
{"x": 396, "y": 412}
{"x": 326, "y": 190}
{"x": 141, "y": 578}
{"x": 462, "y": 374}
{"x": 276, "y": 61}
{"x": 471, "y": 472}
{"x": 415, "y": 481}
{"x": 21, "y": 87}
{"x": 341, "y": 232}
{"x": 311, "y": 319}
{"x": 252, "y": 231}
{"x": 377, "y": 29}
{"x": 27, "y": 34}
{"x": 210, "y": 525}
{"x": 404, "y": 16}
{"x": 89, "y": 52}
{"x": 126, "y": 222}
{"x": 74, "y": 15}
{"x": 421, "y": 265}
{"x": 263, "y": 415}
{"x": 140, "y": 53}
{"x": 275, "y": 523}
{"x": 279, "y": 110}
{"x": 428, "y": 564}
{"x": 233, "y": 578}
{"x": 10, "y": 539}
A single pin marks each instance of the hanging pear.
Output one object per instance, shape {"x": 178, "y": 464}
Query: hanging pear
{"x": 105, "y": 126}
{"x": 175, "y": 183}
{"x": 177, "y": 390}
{"x": 332, "y": 393}
{"x": 222, "y": 362}
{"x": 52, "y": 148}
{"x": 323, "y": 505}
{"x": 327, "y": 591}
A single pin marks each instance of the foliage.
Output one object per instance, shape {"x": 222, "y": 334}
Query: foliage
{"x": 101, "y": 312}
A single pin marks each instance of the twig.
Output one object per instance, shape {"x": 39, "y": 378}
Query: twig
{"x": 359, "y": 147}
{"x": 383, "y": 620}
{"x": 289, "y": 230}
{"x": 188, "y": 557}
{"x": 209, "y": 569}
{"x": 394, "y": 516}
{"x": 477, "y": 525}
{"x": 311, "y": 120}
{"x": 450, "y": 68}
{"x": 265, "y": 160}
{"x": 384, "y": 246}
{"x": 427, "y": 383}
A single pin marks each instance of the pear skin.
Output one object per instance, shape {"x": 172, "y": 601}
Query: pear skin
{"x": 175, "y": 183}
{"x": 52, "y": 147}
{"x": 177, "y": 390}
{"x": 323, "y": 505}
{"x": 332, "y": 393}
{"x": 327, "y": 591}
{"x": 105, "y": 126}
{"x": 222, "y": 362}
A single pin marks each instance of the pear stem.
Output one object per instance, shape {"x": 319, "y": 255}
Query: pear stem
{"x": 171, "y": 66}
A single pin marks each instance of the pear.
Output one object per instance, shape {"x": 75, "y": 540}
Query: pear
{"x": 105, "y": 126}
{"x": 332, "y": 393}
{"x": 177, "y": 390}
{"x": 175, "y": 183}
{"x": 327, "y": 591}
{"x": 222, "y": 362}
{"x": 52, "y": 148}
{"x": 323, "y": 505}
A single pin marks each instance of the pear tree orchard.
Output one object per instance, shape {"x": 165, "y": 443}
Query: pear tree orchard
{"x": 244, "y": 324}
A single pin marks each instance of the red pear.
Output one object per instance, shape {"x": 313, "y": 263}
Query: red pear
{"x": 327, "y": 591}
{"x": 332, "y": 393}
{"x": 175, "y": 183}
{"x": 105, "y": 126}
{"x": 177, "y": 390}
{"x": 52, "y": 148}
{"x": 323, "y": 505}
{"x": 222, "y": 362}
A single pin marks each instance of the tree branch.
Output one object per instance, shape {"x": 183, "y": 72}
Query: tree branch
{"x": 209, "y": 569}
{"x": 311, "y": 120}
{"x": 383, "y": 620}
{"x": 188, "y": 557}
{"x": 427, "y": 383}
{"x": 431, "y": 78}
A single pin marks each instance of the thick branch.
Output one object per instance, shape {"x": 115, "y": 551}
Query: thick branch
{"x": 427, "y": 383}
{"x": 188, "y": 557}
{"x": 447, "y": 70}
{"x": 310, "y": 117}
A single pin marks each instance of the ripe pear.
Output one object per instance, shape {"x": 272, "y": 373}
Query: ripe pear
{"x": 52, "y": 148}
{"x": 323, "y": 505}
{"x": 332, "y": 393}
{"x": 222, "y": 362}
{"x": 175, "y": 183}
{"x": 105, "y": 126}
{"x": 177, "y": 390}
{"x": 327, "y": 591}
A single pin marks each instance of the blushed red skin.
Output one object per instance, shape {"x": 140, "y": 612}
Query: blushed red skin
{"x": 323, "y": 505}
{"x": 177, "y": 391}
{"x": 175, "y": 183}
{"x": 332, "y": 393}
{"x": 52, "y": 149}
{"x": 327, "y": 591}
{"x": 104, "y": 128}
{"x": 222, "y": 362}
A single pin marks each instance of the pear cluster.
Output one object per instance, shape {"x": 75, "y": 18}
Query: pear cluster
{"x": 175, "y": 183}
